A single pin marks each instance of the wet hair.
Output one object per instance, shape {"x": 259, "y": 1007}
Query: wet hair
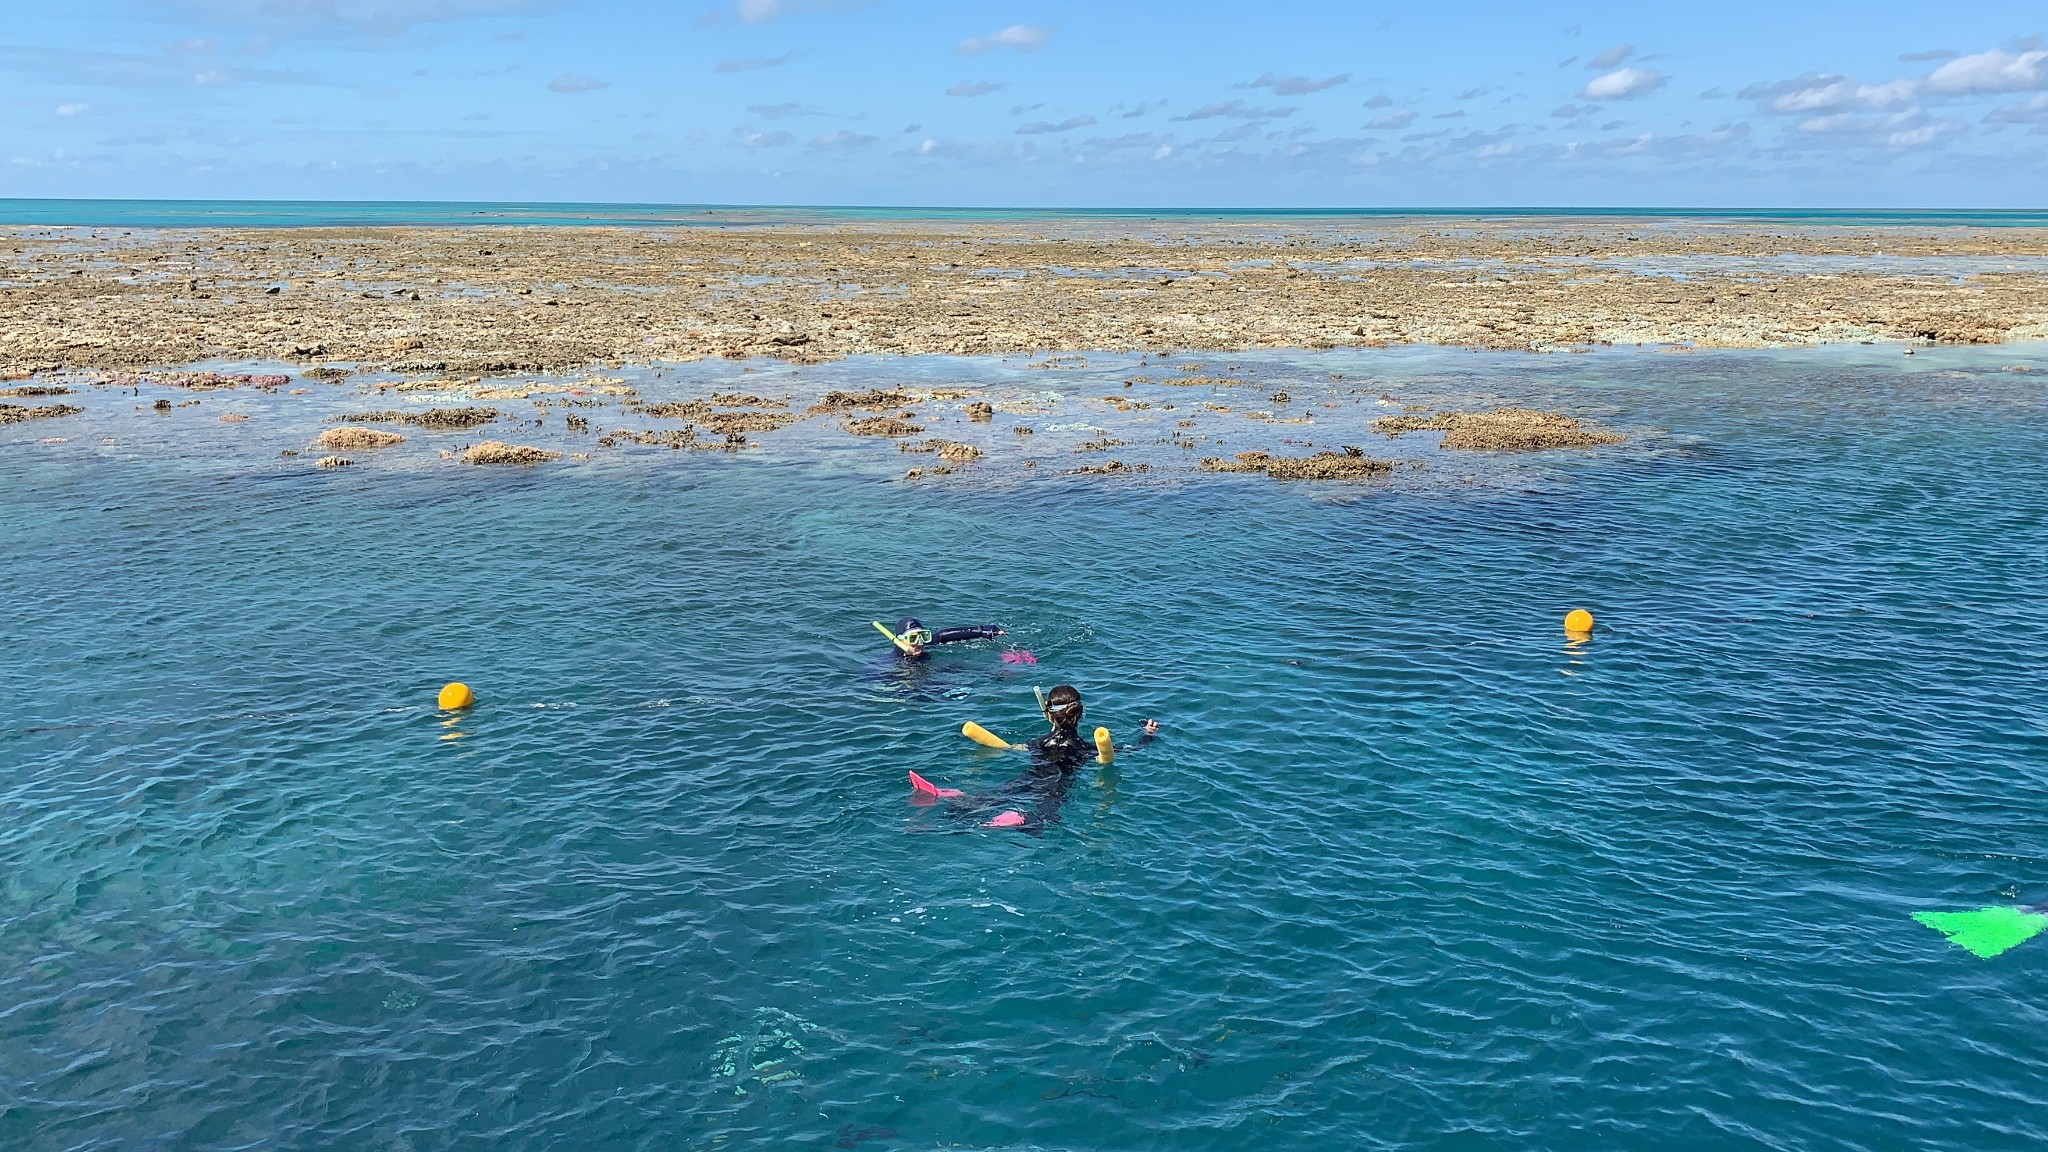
{"x": 1062, "y": 699}
{"x": 907, "y": 624}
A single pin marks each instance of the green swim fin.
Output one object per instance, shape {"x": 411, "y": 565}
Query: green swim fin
{"x": 1987, "y": 931}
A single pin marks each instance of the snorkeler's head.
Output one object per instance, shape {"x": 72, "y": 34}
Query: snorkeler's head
{"x": 914, "y": 635}
{"x": 1063, "y": 706}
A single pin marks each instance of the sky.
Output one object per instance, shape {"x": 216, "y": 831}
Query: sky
{"x": 1030, "y": 103}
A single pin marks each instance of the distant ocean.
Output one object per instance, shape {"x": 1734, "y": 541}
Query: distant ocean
{"x": 442, "y": 213}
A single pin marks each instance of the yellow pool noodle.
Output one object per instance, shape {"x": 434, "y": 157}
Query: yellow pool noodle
{"x": 1105, "y": 750}
{"x": 982, "y": 736}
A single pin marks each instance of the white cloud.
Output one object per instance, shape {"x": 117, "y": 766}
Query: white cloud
{"x": 1295, "y": 85}
{"x": 751, "y": 139}
{"x": 1040, "y": 127}
{"x": 2034, "y": 111}
{"x": 1379, "y": 100}
{"x": 1623, "y": 84}
{"x": 1611, "y": 57}
{"x": 840, "y": 141}
{"x": 766, "y": 11}
{"x": 783, "y": 111}
{"x": 1930, "y": 54}
{"x": 974, "y": 88}
{"x": 1401, "y": 119}
{"x": 1022, "y": 37}
{"x": 73, "y": 109}
{"x": 568, "y": 83}
{"x": 751, "y": 64}
{"x": 1993, "y": 71}
{"x": 1237, "y": 110}
{"x": 1894, "y": 131}
{"x": 1827, "y": 92}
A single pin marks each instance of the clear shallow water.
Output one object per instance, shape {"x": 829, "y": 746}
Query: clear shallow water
{"x": 328, "y": 213}
{"x": 1405, "y": 869}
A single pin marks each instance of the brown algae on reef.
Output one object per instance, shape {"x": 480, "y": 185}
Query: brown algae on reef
{"x": 883, "y": 426}
{"x": 432, "y": 418}
{"x": 1501, "y": 430}
{"x": 947, "y": 450}
{"x": 353, "y": 436}
{"x": 18, "y": 413}
{"x": 1346, "y": 465}
{"x": 498, "y": 452}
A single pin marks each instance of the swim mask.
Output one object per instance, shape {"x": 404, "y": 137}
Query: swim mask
{"x": 918, "y": 636}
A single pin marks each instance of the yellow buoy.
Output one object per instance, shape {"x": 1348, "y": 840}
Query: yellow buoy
{"x": 982, "y": 736}
{"x": 1578, "y": 622}
{"x": 1105, "y": 750}
{"x": 457, "y": 695}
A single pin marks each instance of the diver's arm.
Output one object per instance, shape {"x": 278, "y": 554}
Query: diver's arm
{"x": 971, "y": 632}
{"x": 1151, "y": 730}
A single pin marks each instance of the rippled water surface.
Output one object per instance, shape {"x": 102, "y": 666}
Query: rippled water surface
{"x": 1404, "y": 869}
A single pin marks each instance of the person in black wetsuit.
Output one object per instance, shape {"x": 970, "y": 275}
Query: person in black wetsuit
{"x": 906, "y": 671}
{"x": 1031, "y": 800}
{"x": 916, "y": 637}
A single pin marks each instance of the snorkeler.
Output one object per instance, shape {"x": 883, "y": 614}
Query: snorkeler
{"x": 1031, "y": 800}
{"x": 912, "y": 638}
{"x": 906, "y": 670}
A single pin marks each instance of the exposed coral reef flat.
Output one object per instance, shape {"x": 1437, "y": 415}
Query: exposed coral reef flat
{"x": 479, "y": 300}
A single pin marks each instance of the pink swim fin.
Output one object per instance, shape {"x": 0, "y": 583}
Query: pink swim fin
{"x": 924, "y": 791}
{"x": 1009, "y": 819}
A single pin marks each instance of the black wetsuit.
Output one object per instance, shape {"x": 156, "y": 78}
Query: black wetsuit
{"x": 912, "y": 676}
{"x": 1038, "y": 792}
{"x": 946, "y": 636}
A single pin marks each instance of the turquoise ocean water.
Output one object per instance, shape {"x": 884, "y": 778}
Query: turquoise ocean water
{"x": 1405, "y": 869}
{"x": 315, "y": 213}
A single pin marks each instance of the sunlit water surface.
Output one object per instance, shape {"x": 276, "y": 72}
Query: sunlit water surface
{"x": 1405, "y": 868}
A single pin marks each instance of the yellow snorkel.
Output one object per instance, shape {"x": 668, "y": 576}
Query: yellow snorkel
{"x": 901, "y": 644}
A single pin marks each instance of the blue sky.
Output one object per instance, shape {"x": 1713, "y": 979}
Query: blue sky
{"x": 1029, "y": 102}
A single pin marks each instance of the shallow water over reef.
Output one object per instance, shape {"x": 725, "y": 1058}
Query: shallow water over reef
{"x": 1406, "y": 868}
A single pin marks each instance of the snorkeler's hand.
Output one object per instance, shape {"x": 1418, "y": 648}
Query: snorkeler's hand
{"x": 1151, "y": 727}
